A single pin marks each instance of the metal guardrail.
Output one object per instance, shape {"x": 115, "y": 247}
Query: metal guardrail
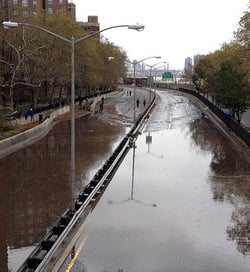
{"x": 44, "y": 252}
{"x": 82, "y": 206}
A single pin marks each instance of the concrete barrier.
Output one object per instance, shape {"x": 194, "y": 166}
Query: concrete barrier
{"x": 21, "y": 140}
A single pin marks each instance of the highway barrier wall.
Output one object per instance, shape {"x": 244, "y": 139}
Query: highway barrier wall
{"x": 16, "y": 142}
{"x": 227, "y": 120}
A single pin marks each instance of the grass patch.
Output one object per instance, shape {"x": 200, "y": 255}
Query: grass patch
{"x": 8, "y": 129}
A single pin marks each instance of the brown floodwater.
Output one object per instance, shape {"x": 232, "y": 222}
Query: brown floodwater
{"x": 34, "y": 183}
{"x": 180, "y": 201}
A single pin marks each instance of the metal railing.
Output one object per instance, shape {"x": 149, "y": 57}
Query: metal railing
{"x": 230, "y": 123}
{"x": 44, "y": 252}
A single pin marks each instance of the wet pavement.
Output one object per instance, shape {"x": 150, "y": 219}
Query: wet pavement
{"x": 34, "y": 181}
{"x": 179, "y": 202}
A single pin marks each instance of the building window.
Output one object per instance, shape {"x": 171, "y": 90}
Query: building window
{"x": 25, "y": 3}
{"x": 25, "y": 13}
{"x": 50, "y": 2}
{"x": 35, "y": 3}
{"x": 50, "y": 10}
{"x": 15, "y": 2}
{"x": 60, "y": 2}
{"x": 15, "y": 12}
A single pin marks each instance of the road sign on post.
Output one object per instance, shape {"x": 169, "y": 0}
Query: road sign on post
{"x": 167, "y": 75}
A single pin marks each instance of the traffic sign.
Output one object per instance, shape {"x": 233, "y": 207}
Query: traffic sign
{"x": 167, "y": 75}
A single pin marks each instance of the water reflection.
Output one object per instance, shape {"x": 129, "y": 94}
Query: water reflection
{"x": 189, "y": 228}
{"x": 133, "y": 178}
{"x": 229, "y": 180}
{"x": 133, "y": 184}
{"x": 34, "y": 181}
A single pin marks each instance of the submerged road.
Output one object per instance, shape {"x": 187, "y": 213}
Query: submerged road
{"x": 179, "y": 202}
{"x": 35, "y": 180}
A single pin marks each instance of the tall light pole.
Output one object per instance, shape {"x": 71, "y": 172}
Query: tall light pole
{"x": 150, "y": 74}
{"x": 72, "y": 43}
{"x": 134, "y": 63}
{"x": 156, "y": 68}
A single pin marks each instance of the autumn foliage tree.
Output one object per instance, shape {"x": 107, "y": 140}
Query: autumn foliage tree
{"x": 36, "y": 64}
{"x": 224, "y": 74}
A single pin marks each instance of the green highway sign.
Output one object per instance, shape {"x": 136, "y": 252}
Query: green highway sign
{"x": 167, "y": 75}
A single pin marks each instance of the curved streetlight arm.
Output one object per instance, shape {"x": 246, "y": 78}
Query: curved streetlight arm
{"x": 16, "y": 24}
{"x": 151, "y": 66}
{"x": 153, "y": 57}
{"x": 156, "y": 68}
{"x": 134, "y": 80}
{"x": 10, "y": 24}
{"x": 134, "y": 27}
{"x": 72, "y": 42}
{"x": 137, "y": 62}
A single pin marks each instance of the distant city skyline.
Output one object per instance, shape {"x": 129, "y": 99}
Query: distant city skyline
{"x": 174, "y": 30}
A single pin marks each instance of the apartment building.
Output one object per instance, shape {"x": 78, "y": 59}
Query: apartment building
{"x": 92, "y": 25}
{"x": 29, "y": 8}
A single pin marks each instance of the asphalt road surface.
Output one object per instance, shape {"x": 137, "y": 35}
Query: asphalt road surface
{"x": 179, "y": 201}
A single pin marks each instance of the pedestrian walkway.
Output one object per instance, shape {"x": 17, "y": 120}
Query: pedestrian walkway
{"x": 36, "y": 129}
{"x": 35, "y": 132}
{"x": 45, "y": 114}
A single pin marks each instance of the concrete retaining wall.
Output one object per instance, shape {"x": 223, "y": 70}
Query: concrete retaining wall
{"x": 16, "y": 142}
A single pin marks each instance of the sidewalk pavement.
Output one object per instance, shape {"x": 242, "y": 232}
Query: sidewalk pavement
{"x": 245, "y": 122}
{"x": 45, "y": 114}
{"x": 93, "y": 102}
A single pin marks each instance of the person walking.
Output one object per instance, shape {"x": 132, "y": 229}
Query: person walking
{"x": 31, "y": 112}
{"x": 137, "y": 103}
{"x": 144, "y": 102}
{"x": 26, "y": 114}
{"x": 101, "y": 105}
{"x": 80, "y": 101}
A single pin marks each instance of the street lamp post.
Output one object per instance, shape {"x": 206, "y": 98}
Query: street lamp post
{"x": 150, "y": 72}
{"x": 155, "y": 72}
{"x": 134, "y": 80}
{"x": 72, "y": 43}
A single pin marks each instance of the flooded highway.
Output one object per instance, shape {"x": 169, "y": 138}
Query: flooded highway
{"x": 179, "y": 202}
{"x": 34, "y": 182}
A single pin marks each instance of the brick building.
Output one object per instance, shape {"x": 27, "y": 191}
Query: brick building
{"x": 92, "y": 25}
{"x": 28, "y": 8}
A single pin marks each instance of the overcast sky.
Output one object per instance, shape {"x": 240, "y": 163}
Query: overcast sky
{"x": 174, "y": 29}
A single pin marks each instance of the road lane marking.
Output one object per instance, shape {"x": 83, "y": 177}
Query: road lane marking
{"x": 72, "y": 262}
{"x": 67, "y": 251}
